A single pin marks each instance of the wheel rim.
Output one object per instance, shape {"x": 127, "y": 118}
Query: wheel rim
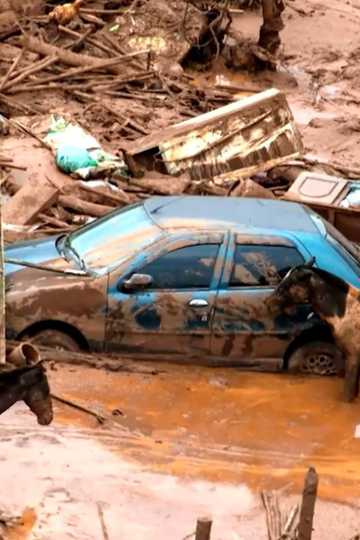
{"x": 52, "y": 341}
{"x": 320, "y": 363}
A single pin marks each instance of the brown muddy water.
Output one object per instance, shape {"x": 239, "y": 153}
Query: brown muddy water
{"x": 184, "y": 443}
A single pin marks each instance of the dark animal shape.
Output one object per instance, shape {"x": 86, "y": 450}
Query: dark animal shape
{"x": 335, "y": 302}
{"x": 28, "y": 384}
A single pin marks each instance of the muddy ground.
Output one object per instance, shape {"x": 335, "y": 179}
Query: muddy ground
{"x": 192, "y": 441}
{"x": 186, "y": 442}
{"x": 319, "y": 72}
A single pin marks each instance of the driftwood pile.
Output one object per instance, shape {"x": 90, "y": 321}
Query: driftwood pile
{"x": 88, "y": 64}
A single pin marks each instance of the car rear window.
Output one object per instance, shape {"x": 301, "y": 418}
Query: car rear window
{"x": 262, "y": 265}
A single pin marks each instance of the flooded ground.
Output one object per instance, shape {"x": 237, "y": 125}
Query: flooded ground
{"x": 194, "y": 441}
{"x": 186, "y": 442}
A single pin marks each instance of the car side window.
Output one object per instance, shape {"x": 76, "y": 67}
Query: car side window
{"x": 256, "y": 265}
{"x": 189, "y": 267}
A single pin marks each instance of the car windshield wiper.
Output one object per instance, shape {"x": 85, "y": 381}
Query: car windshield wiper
{"x": 68, "y": 248}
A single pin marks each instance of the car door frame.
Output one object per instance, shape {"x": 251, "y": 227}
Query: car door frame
{"x": 199, "y": 340}
{"x": 248, "y": 343}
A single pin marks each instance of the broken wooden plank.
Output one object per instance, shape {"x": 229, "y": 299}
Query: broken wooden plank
{"x": 273, "y": 516}
{"x": 305, "y": 528}
{"x": 29, "y": 201}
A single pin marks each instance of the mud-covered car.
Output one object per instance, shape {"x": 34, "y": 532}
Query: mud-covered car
{"x": 180, "y": 278}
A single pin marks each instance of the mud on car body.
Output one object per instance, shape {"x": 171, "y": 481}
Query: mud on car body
{"x": 180, "y": 278}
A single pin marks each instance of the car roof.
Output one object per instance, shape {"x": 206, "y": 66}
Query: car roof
{"x": 240, "y": 213}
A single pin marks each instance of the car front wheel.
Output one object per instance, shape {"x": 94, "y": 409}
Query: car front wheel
{"x": 317, "y": 358}
{"x": 55, "y": 339}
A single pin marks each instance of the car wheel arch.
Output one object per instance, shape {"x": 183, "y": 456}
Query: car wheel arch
{"x": 318, "y": 332}
{"x": 55, "y": 325}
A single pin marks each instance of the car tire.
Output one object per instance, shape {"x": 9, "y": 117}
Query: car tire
{"x": 316, "y": 358}
{"x": 54, "y": 339}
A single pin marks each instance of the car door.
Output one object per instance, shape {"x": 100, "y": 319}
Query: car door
{"x": 173, "y": 314}
{"x": 244, "y": 331}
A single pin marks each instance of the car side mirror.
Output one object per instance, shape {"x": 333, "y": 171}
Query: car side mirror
{"x": 137, "y": 281}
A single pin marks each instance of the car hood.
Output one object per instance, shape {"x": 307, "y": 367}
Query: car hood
{"x": 43, "y": 252}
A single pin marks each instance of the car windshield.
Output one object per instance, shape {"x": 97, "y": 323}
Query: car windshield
{"x": 107, "y": 242}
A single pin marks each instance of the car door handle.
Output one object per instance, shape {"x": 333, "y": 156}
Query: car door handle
{"x": 198, "y": 303}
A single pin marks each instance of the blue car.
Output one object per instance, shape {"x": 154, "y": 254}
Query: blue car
{"x": 181, "y": 279}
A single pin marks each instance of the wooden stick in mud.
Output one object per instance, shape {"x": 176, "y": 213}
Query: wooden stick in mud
{"x": 273, "y": 517}
{"x": 203, "y": 529}
{"x": 101, "y": 419}
{"x": 11, "y": 69}
{"x": 31, "y": 70}
{"x": 80, "y": 70}
{"x": 305, "y": 528}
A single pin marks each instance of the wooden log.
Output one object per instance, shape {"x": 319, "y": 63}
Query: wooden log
{"x": 118, "y": 197}
{"x": 29, "y": 201}
{"x": 108, "y": 361}
{"x": 162, "y": 184}
{"x": 84, "y": 207}
{"x": 67, "y": 57}
{"x": 305, "y": 528}
{"x": 203, "y": 529}
{"x": 75, "y": 59}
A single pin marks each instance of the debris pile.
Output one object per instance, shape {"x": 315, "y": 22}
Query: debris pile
{"x": 96, "y": 112}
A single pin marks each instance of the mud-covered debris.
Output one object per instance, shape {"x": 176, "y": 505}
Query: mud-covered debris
{"x": 167, "y": 28}
{"x": 78, "y": 152}
{"x": 65, "y": 13}
{"x": 29, "y": 201}
{"x": 249, "y": 188}
{"x": 247, "y": 136}
{"x": 335, "y": 198}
